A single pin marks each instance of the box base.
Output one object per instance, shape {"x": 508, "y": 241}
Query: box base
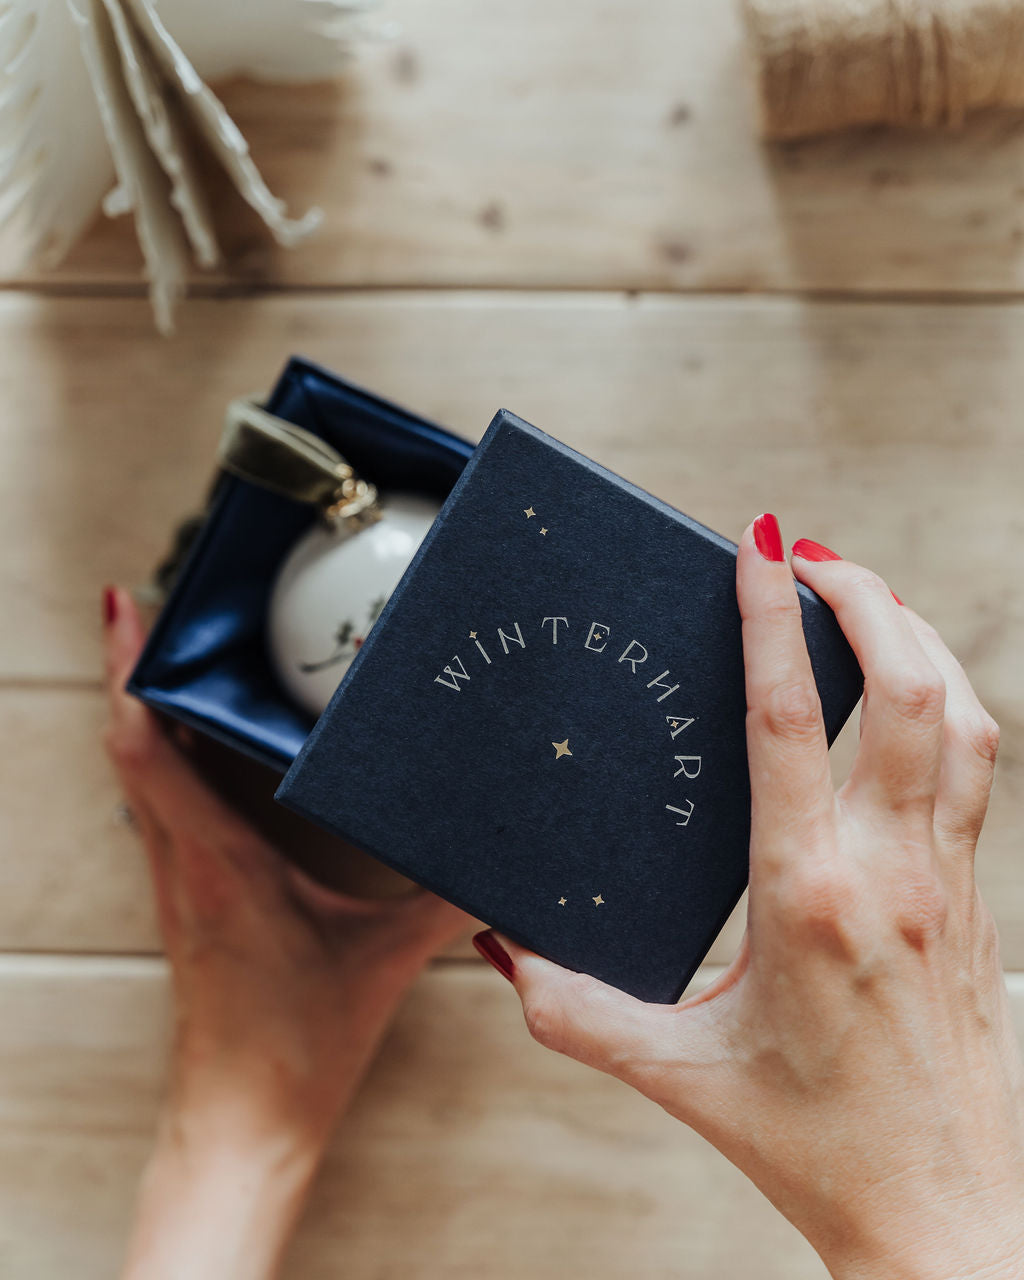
{"x": 248, "y": 787}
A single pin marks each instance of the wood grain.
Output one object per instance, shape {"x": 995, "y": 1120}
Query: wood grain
{"x": 470, "y": 1151}
{"x": 535, "y": 149}
{"x": 600, "y": 148}
{"x": 891, "y": 432}
{"x": 888, "y": 431}
{"x": 75, "y": 878}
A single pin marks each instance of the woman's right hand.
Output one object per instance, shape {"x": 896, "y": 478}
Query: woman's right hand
{"x": 857, "y": 1059}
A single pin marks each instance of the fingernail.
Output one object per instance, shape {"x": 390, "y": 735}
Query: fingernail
{"x": 807, "y": 549}
{"x": 109, "y": 605}
{"x": 493, "y": 952}
{"x": 767, "y": 537}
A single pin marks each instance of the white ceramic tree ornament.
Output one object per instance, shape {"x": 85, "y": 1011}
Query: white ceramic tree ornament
{"x": 97, "y": 90}
{"x": 331, "y": 590}
{"x": 333, "y": 585}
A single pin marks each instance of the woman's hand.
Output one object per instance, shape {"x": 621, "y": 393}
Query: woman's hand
{"x": 282, "y": 992}
{"x": 857, "y": 1058}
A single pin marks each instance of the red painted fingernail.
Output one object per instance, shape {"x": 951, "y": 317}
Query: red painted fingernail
{"x": 806, "y": 549}
{"x": 109, "y": 605}
{"x": 767, "y": 537}
{"x": 493, "y": 952}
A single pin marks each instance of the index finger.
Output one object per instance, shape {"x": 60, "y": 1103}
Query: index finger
{"x": 791, "y": 795}
{"x": 124, "y": 636}
{"x": 147, "y": 761}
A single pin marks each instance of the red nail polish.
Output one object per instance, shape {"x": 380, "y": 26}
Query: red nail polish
{"x": 493, "y": 952}
{"x": 806, "y": 549}
{"x": 767, "y": 537}
{"x": 109, "y": 605}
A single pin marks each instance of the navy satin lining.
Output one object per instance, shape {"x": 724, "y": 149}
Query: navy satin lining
{"x": 206, "y": 661}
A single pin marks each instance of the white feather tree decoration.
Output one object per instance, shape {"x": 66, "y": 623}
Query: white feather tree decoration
{"x": 54, "y": 160}
{"x": 97, "y": 90}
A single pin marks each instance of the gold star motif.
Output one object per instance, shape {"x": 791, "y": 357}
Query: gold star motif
{"x": 597, "y": 635}
{"x": 598, "y": 900}
{"x": 544, "y": 533}
{"x": 472, "y": 635}
{"x": 561, "y": 749}
{"x": 529, "y": 512}
{"x": 562, "y": 901}
{"x": 675, "y": 723}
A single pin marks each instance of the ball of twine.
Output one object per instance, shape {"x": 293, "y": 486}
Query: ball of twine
{"x": 825, "y": 65}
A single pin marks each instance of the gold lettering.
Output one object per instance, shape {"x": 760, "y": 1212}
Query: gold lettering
{"x": 634, "y": 662}
{"x": 682, "y": 761}
{"x": 516, "y": 639}
{"x": 597, "y": 631}
{"x": 659, "y": 683}
{"x": 687, "y": 813}
{"x": 554, "y": 627}
{"x": 456, "y": 676}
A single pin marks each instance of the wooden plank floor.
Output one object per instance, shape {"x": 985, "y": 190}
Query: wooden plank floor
{"x": 838, "y": 335}
{"x": 589, "y": 145}
{"x": 488, "y": 1154}
{"x": 888, "y": 431}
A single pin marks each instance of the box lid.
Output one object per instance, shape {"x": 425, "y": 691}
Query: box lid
{"x": 547, "y": 724}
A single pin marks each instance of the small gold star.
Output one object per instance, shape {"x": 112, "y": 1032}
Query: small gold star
{"x": 472, "y": 635}
{"x": 529, "y": 512}
{"x": 597, "y": 635}
{"x": 544, "y": 532}
{"x": 561, "y": 749}
{"x": 598, "y": 900}
{"x": 675, "y": 723}
{"x": 562, "y": 901}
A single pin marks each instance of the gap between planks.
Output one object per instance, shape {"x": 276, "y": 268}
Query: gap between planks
{"x": 31, "y": 962}
{"x": 44, "y": 964}
{"x": 228, "y": 291}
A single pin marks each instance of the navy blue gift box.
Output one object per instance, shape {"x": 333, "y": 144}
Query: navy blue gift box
{"x": 552, "y": 717}
{"x": 206, "y": 661}
{"x": 503, "y": 758}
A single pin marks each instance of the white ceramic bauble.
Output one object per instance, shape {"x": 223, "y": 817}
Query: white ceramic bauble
{"x": 331, "y": 590}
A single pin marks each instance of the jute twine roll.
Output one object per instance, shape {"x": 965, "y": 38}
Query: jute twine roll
{"x": 834, "y": 64}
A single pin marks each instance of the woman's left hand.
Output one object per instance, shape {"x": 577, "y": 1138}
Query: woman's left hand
{"x": 282, "y": 988}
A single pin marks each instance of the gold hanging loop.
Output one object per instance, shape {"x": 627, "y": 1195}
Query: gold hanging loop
{"x": 264, "y": 449}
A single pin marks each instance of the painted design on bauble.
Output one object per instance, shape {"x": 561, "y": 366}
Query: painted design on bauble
{"x": 347, "y": 644}
{"x": 332, "y": 588}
